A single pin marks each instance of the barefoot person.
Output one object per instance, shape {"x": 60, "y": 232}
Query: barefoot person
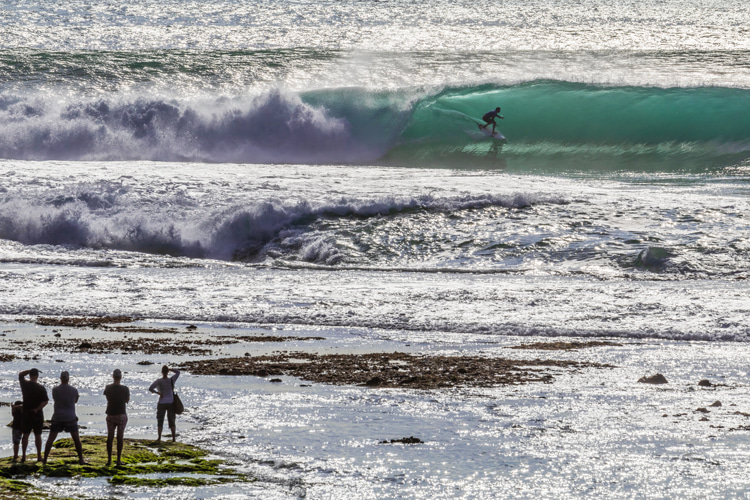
{"x": 16, "y": 409}
{"x": 164, "y": 387}
{"x": 118, "y": 396}
{"x": 489, "y": 117}
{"x": 64, "y": 418}
{"x": 34, "y": 400}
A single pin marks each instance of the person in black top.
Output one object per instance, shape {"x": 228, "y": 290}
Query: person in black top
{"x": 34, "y": 400}
{"x": 118, "y": 396}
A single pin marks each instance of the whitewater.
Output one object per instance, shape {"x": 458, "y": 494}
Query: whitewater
{"x": 316, "y": 166}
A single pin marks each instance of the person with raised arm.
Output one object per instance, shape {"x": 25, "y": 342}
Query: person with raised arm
{"x": 164, "y": 387}
{"x": 34, "y": 400}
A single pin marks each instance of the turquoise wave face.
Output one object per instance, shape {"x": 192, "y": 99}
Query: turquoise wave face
{"x": 560, "y": 125}
{"x": 581, "y": 114}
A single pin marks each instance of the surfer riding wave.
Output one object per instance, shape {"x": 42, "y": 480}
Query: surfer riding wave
{"x": 489, "y": 117}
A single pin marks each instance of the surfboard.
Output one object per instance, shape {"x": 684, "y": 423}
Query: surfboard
{"x": 488, "y": 132}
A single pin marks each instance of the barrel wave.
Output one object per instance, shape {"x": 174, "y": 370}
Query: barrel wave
{"x": 543, "y": 120}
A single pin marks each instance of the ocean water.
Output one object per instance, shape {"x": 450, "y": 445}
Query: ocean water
{"x": 317, "y": 165}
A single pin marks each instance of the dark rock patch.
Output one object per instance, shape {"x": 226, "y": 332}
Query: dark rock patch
{"x": 373, "y": 382}
{"x": 73, "y": 322}
{"x": 564, "y": 346}
{"x": 409, "y": 440}
{"x": 397, "y": 369}
{"x": 653, "y": 379}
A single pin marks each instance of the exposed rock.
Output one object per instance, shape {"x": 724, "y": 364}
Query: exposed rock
{"x": 716, "y": 403}
{"x": 397, "y": 369}
{"x": 173, "y": 344}
{"x": 564, "y": 346}
{"x": 83, "y": 322}
{"x": 653, "y": 379}
{"x": 145, "y": 464}
{"x": 409, "y": 440}
{"x": 705, "y": 383}
{"x": 703, "y": 419}
{"x": 703, "y": 410}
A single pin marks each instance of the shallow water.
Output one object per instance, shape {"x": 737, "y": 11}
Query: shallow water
{"x": 594, "y": 432}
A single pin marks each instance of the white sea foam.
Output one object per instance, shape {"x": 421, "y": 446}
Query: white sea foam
{"x": 82, "y": 217}
{"x": 273, "y": 127}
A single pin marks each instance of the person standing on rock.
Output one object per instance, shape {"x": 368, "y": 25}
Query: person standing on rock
{"x": 16, "y": 410}
{"x": 34, "y": 400}
{"x": 64, "y": 417}
{"x": 118, "y": 396}
{"x": 164, "y": 387}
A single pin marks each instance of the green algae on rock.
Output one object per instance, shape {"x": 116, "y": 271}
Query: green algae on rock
{"x": 12, "y": 489}
{"x": 139, "y": 457}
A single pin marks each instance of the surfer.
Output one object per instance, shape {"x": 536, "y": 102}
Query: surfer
{"x": 489, "y": 117}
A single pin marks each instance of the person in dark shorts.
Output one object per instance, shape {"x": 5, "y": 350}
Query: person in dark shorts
{"x": 16, "y": 409}
{"x": 64, "y": 417}
{"x": 34, "y": 400}
{"x": 118, "y": 396}
{"x": 164, "y": 387}
{"x": 489, "y": 117}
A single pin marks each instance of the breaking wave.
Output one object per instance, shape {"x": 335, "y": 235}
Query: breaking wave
{"x": 244, "y": 233}
{"x": 543, "y": 119}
